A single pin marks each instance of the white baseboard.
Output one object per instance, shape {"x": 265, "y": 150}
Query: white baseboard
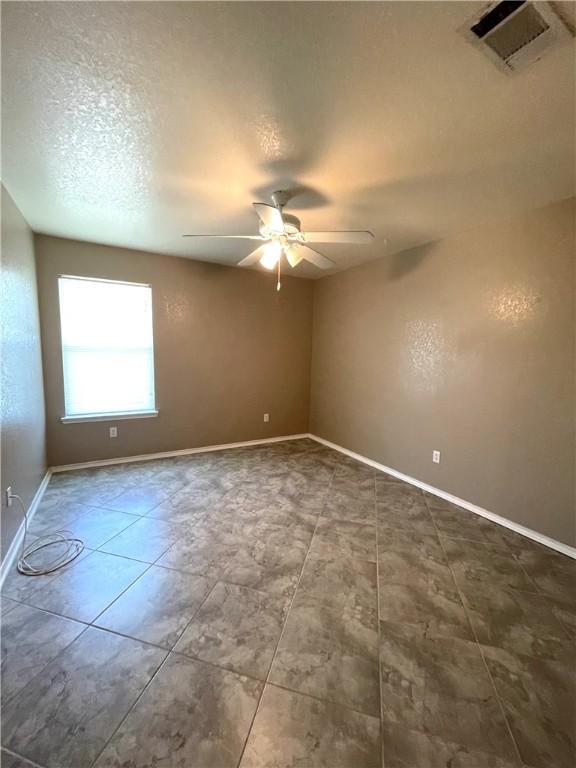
{"x": 168, "y": 454}
{"x": 14, "y": 549}
{"x": 565, "y": 549}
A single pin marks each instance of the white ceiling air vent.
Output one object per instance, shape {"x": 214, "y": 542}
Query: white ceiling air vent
{"x": 516, "y": 34}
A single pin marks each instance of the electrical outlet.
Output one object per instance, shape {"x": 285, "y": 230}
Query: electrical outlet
{"x": 9, "y": 496}
{"x": 113, "y": 431}
{"x": 266, "y": 417}
{"x": 436, "y": 457}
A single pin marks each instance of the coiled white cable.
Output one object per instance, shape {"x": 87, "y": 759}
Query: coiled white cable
{"x": 72, "y": 547}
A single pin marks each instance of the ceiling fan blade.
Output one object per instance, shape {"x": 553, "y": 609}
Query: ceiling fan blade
{"x": 253, "y": 257}
{"x": 293, "y": 254}
{"x": 233, "y": 237}
{"x": 314, "y": 257}
{"x": 270, "y": 217}
{"x": 343, "y": 236}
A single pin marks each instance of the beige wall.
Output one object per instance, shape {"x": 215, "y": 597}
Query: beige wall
{"x": 465, "y": 346}
{"x": 227, "y": 349}
{"x": 22, "y": 395}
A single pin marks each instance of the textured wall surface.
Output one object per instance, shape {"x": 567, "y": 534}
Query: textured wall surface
{"x": 466, "y": 346}
{"x": 22, "y": 394}
{"x": 227, "y": 349}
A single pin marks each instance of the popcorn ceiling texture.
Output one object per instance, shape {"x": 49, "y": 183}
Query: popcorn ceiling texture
{"x": 133, "y": 123}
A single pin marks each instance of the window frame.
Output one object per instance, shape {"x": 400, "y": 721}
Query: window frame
{"x": 116, "y": 415}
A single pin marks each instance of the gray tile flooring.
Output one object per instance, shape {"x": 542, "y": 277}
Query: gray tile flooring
{"x": 284, "y": 606}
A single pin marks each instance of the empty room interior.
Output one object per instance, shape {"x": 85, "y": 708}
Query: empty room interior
{"x": 288, "y": 384}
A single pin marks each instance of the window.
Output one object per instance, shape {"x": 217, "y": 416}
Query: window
{"x": 107, "y": 348}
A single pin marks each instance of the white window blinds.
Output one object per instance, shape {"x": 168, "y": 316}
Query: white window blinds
{"x": 107, "y": 346}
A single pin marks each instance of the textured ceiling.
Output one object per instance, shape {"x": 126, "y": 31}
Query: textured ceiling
{"x": 132, "y": 123}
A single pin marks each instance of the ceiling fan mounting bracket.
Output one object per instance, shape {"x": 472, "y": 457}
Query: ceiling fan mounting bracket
{"x": 280, "y": 198}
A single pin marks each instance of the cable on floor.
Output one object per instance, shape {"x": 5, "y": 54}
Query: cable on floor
{"x": 71, "y": 548}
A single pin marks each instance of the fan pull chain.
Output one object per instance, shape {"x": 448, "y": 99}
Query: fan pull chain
{"x": 279, "y": 284}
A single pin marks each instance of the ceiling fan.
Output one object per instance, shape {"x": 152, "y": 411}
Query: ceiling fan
{"x": 281, "y": 235}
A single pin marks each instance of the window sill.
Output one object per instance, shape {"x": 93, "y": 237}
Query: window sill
{"x": 87, "y": 417}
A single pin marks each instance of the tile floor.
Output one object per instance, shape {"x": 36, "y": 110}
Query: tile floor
{"x": 284, "y": 605}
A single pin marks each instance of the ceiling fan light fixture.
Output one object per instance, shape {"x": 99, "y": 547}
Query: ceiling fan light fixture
{"x": 271, "y": 255}
{"x": 281, "y": 235}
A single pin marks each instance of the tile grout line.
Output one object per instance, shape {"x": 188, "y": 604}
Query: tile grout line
{"x": 91, "y": 624}
{"x": 507, "y": 549}
{"x": 128, "y": 637}
{"x": 382, "y": 719}
{"x": 49, "y": 612}
{"x": 443, "y": 540}
{"x": 153, "y": 677}
{"x": 136, "y": 515}
{"x": 266, "y": 681}
{"x": 378, "y": 619}
{"x": 214, "y": 665}
{"x": 118, "y": 596}
{"x": 136, "y": 700}
{"x": 134, "y": 580}
{"x": 21, "y": 757}
{"x": 196, "y": 611}
{"x": 326, "y": 702}
{"x": 539, "y": 592}
{"x": 88, "y": 625}
{"x": 152, "y": 508}
{"x": 135, "y": 487}
{"x": 53, "y": 577}
{"x": 50, "y": 661}
{"x": 550, "y": 543}
{"x": 477, "y": 642}
{"x": 149, "y": 564}
{"x": 98, "y": 548}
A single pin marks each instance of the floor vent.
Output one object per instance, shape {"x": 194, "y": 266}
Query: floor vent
{"x": 516, "y": 34}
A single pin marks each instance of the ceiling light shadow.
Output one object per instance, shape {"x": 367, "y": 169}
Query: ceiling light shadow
{"x": 404, "y": 263}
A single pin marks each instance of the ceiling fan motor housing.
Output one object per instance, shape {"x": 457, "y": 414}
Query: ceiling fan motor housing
{"x": 291, "y": 224}
{"x": 283, "y": 237}
{"x": 291, "y": 227}
{"x": 280, "y": 198}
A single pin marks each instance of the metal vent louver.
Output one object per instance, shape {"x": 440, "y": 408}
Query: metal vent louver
{"x": 515, "y": 34}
